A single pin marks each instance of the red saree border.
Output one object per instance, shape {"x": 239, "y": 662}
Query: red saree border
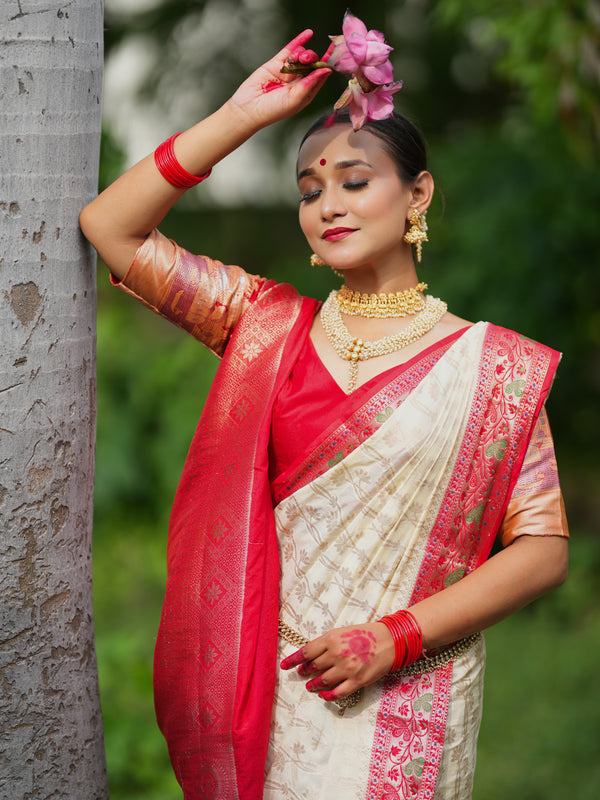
{"x": 218, "y": 629}
{"x": 409, "y": 736}
{"x": 342, "y": 437}
{"x": 514, "y": 377}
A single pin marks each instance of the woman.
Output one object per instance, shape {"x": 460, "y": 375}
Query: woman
{"x": 331, "y": 491}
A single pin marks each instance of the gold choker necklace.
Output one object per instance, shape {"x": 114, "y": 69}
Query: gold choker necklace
{"x": 353, "y": 349}
{"x": 395, "y": 304}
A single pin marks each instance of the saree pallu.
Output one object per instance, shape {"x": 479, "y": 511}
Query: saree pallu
{"x": 214, "y": 666}
{"x": 396, "y": 503}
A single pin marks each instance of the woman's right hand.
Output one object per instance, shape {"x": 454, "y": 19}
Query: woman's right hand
{"x": 118, "y": 220}
{"x": 268, "y": 95}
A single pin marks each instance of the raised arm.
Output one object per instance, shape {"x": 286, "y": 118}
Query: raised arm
{"x": 119, "y": 219}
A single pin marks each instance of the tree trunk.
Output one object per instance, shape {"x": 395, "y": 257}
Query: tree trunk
{"x": 51, "y": 741}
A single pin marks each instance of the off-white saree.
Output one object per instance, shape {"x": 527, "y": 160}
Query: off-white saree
{"x": 355, "y": 543}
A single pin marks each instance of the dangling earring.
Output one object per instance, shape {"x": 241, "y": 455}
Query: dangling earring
{"x": 417, "y": 233}
{"x": 317, "y": 261}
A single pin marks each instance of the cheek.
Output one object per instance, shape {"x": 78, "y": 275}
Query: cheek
{"x": 378, "y": 206}
{"x": 306, "y": 219}
{"x": 387, "y": 200}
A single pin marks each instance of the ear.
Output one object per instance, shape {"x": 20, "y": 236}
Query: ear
{"x": 422, "y": 192}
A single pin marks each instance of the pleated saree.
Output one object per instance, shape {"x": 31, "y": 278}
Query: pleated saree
{"x": 401, "y": 494}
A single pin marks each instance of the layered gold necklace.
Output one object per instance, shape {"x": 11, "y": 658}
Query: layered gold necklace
{"x": 354, "y": 349}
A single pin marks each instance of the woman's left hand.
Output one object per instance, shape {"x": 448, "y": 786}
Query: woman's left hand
{"x": 344, "y": 659}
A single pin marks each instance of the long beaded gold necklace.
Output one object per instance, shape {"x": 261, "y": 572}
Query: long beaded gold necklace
{"x": 354, "y": 349}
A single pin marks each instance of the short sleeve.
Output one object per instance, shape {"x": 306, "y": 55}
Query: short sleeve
{"x": 536, "y": 506}
{"x": 198, "y": 294}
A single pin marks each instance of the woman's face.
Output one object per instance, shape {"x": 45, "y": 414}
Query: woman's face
{"x": 354, "y": 206}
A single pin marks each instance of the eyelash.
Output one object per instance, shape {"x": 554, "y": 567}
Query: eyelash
{"x": 306, "y": 198}
{"x": 353, "y": 187}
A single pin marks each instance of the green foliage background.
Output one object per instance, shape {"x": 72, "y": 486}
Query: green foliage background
{"x": 507, "y": 95}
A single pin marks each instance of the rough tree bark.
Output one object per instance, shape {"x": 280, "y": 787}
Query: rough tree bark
{"x": 51, "y": 742}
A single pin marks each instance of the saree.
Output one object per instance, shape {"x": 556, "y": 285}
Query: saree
{"x": 215, "y": 662}
{"x": 400, "y": 500}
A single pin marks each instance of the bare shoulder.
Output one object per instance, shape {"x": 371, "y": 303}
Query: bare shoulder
{"x": 450, "y": 323}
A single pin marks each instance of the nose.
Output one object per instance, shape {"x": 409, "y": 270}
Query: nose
{"x": 332, "y": 204}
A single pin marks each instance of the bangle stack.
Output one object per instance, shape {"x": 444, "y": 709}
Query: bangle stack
{"x": 171, "y": 169}
{"x": 407, "y": 635}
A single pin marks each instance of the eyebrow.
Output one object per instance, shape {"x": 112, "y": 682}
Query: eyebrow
{"x": 340, "y": 165}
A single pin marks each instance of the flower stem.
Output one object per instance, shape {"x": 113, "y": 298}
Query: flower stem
{"x": 295, "y": 67}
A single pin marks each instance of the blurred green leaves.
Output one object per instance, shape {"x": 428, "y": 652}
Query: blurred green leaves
{"x": 547, "y": 50}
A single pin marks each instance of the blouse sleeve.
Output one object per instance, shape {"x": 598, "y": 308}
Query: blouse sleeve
{"x": 204, "y": 297}
{"x": 536, "y": 505}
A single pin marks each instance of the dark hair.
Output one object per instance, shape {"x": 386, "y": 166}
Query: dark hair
{"x": 401, "y": 139}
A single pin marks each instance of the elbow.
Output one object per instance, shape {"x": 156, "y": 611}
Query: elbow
{"x": 556, "y": 567}
{"x": 547, "y": 559}
{"x": 86, "y": 223}
{"x": 562, "y": 569}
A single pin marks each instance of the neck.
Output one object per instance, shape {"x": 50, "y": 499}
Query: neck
{"x": 385, "y": 279}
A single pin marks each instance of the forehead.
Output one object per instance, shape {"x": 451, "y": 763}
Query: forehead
{"x": 341, "y": 143}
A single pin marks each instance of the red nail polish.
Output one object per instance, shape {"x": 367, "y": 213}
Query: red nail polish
{"x": 327, "y": 696}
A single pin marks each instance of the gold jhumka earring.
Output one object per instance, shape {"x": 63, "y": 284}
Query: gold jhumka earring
{"x": 317, "y": 261}
{"x": 417, "y": 233}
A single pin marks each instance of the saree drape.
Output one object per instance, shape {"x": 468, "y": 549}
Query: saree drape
{"x": 215, "y": 654}
{"x": 215, "y": 664}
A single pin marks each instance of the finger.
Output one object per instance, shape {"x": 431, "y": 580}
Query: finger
{"x": 303, "y": 56}
{"x": 340, "y": 691}
{"x": 312, "y": 82}
{"x": 308, "y": 56}
{"x": 320, "y": 661}
{"x": 331, "y": 695}
{"x": 294, "y": 660}
{"x": 328, "y": 52}
{"x": 297, "y": 41}
{"x": 308, "y": 668}
{"x": 325, "y": 681}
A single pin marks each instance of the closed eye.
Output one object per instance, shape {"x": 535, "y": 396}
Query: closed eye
{"x": 308, "y": 196}
{"x": 356, "y": 185}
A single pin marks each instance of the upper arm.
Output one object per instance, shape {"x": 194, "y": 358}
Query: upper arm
{"x": 536, "y": 505}
{"x": 116, "y": 253}
{"x": 203, "y": 296}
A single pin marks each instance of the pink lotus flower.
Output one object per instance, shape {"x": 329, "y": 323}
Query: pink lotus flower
{"x": 358, "y": 48}
{"x": 363, "y": 106}
{"x": 364, "y": 55}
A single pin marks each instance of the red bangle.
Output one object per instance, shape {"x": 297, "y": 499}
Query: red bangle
{"x": 407, "y": 635}
{"x": 171, "y": 169}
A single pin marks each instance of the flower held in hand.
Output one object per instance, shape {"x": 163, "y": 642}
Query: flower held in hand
{"x": 365, "y": 56}
{"x": 358, "y": 49}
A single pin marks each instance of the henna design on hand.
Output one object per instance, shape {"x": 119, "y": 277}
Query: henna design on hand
{"x": 360, "y": 644}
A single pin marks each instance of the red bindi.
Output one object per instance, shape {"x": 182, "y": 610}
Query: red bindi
{"x": 323, "y": 161}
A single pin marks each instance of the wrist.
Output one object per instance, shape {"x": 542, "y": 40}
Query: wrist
{"x": 240, "y": 120}
{"x": 407, "y": 635}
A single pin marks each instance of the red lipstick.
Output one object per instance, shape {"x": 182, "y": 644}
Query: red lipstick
{"x": 335, "y": 234}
